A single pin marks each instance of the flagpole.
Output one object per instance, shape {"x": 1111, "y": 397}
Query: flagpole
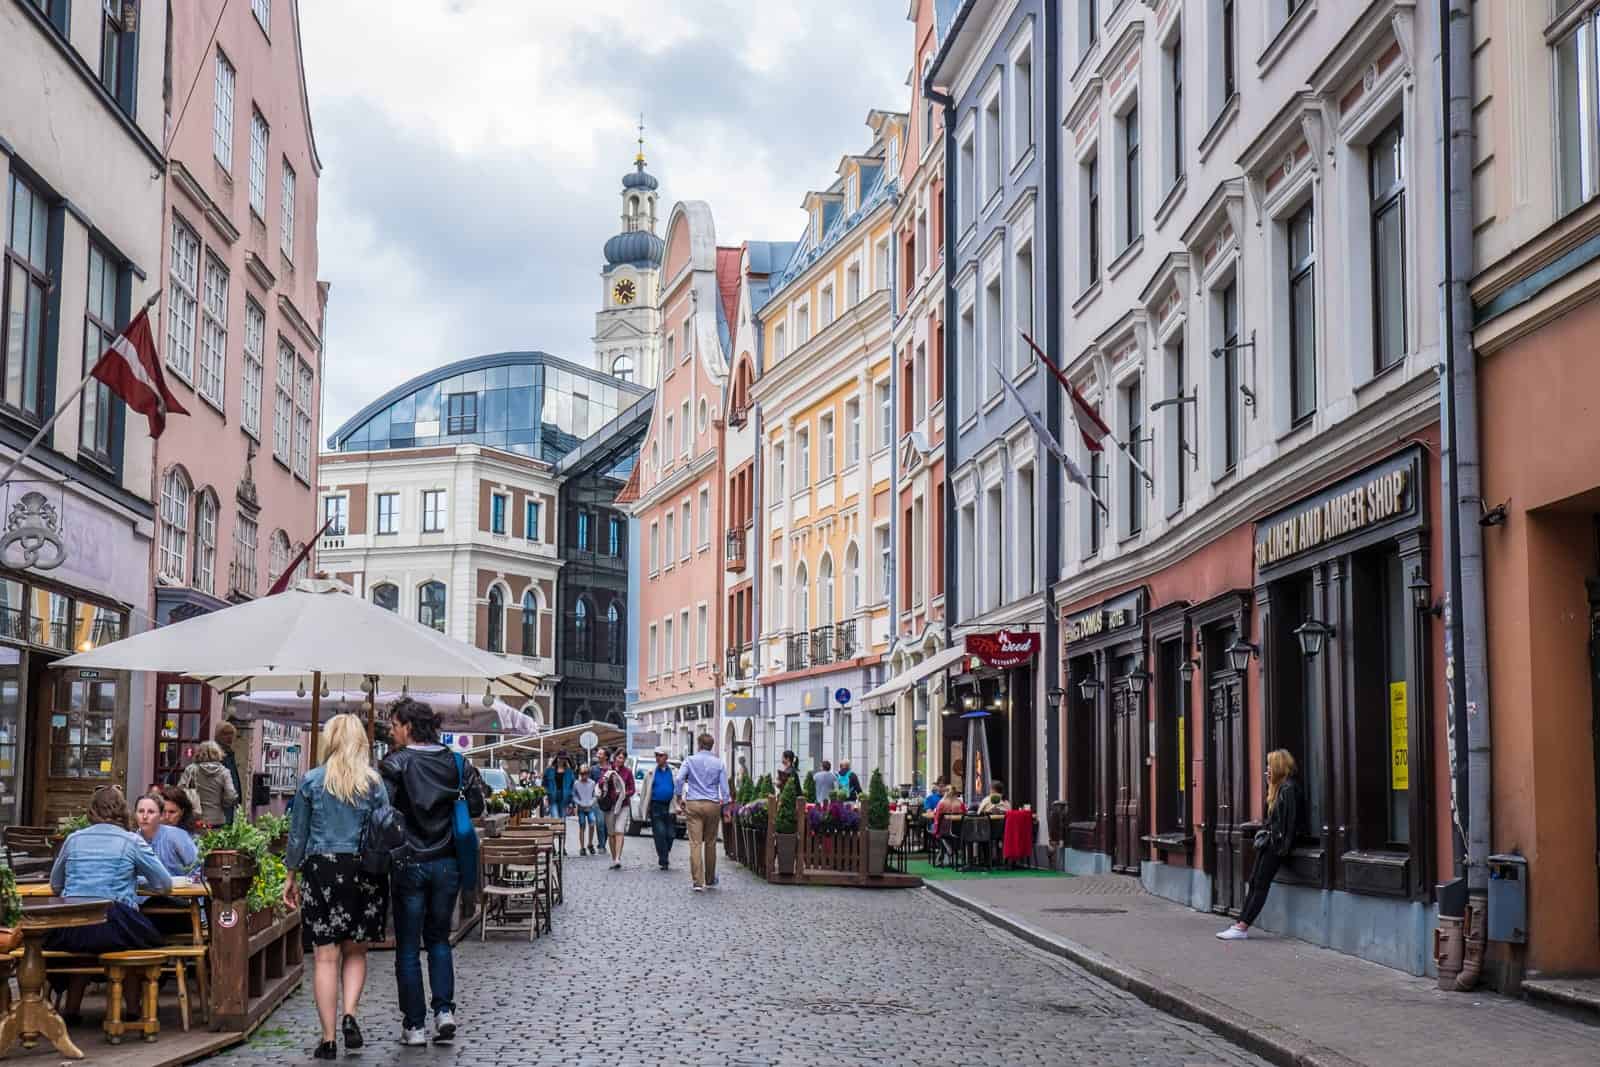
{"x": 1062, "y": 378}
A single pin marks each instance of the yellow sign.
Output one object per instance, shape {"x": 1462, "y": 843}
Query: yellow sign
{"x": 1399, "y": 738}
{"x": 1183, "y": 759}
{"x": 105, "y": 766}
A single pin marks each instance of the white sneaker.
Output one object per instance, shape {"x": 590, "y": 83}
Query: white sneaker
{"x": 410, "y": 1036}
{"x": 444, "y": 1026}
{"x": 1233, "y": 933}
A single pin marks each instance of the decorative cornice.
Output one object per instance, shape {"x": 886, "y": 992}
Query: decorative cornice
{"x": 258, "y": 270}
{"x": 190, "y": 186}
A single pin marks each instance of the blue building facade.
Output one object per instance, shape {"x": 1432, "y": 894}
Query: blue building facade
{"x": 996, "y": 76}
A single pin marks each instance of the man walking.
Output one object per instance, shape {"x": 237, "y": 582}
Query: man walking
{"x": 823, "y": 782}
{"x": 658, "y": 793}
{"x": 424, "y": 779}
{"x": 225, "y": 735}
{"x": 703, "y": 788}
{"x": 849, "y": 781}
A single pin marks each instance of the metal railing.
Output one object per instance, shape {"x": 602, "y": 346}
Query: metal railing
{"x": 844, "y": 640}
{"x": 736, "y": 549}
{"x": 822, "y": 645}
{"x": 736, "y": 668}
{"x": 739, "y": 416}
{"x": 799, "y": 651}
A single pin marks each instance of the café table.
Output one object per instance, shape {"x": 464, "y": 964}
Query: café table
{"x": 33, "y": 1015}
{"x": 191, "y": 892}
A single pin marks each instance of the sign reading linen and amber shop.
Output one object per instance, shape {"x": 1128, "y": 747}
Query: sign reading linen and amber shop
{"x": 1003, "y": 649}
{"x": 1114, "y": 615}
{"x": 1366, "y": 503}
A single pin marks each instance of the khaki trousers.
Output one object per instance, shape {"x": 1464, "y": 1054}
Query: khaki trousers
{"x": 703, "y": 817}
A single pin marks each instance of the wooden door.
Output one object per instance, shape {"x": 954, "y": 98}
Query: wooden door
{"x": 1225, "y": 729}
{"x": 76, "y": 717}
{"x": 184, "y": 707}
{"x": 1127, "y": 765}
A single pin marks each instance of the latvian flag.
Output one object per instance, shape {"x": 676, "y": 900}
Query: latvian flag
{"x": 132, "y": 370}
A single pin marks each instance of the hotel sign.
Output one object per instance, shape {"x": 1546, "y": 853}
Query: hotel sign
{"x": 1117, "y": 614}
{"x": 1004, "y": 648}
{"x": 1377, "y": 496}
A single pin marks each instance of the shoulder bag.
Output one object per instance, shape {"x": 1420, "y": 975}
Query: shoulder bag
{"x": 466, "y": 835}
{"x": 383, "y": 838}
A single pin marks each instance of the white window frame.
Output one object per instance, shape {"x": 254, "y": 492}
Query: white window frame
{"x": 214, "y": 333}
{"x": 1023, "y": 109}
{"x": 177, "y": 498}
{"x": 852, "y": 431}
{"x": 393, "y": 512}
{"x": 262, "y": 10}
{"x": 827, "y": 458}
{"x": 967, "y": 351}
{"x": 183, "y": 302}
{"x": 286, "y": 213}
{"x": 683, "y": 639}
{"x": 992, "y": 124}
{"x": 283, "y": 403}
{"x": 533, "y": 520}
{"x": 687, "y": 531}
{"x": 1023, "y": 289}
{"x": 254, "y": 369}
{"x": 260, "y": 137}
{"x": 224, "y": 80}
{"x": 705, "y": 518}
{"x": 802, "y": 455}
{"x": 994, "y": 335}
{"x": 435, "y": 510}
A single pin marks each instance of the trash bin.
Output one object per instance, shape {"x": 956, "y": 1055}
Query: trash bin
{"x": 1508, "y": 898}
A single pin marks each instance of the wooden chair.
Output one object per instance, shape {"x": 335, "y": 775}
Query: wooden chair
{"x": 146, "y": 967}
{"x": 31, "y": 841}
{"x": 552, "y": 871}
{"x": 503, "y": 882}
{"x": 975, "y": 839}
{"x": 178, "y": 960}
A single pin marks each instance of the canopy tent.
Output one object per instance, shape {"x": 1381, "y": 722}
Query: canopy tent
{"x": 296, "y": 637}
{"x": 890, "y": 690}
{"x": 286, "y": 705}
{"x": 607, "y": 735}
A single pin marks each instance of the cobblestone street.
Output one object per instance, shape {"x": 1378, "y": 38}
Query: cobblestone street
{"x": 757, "y": 974}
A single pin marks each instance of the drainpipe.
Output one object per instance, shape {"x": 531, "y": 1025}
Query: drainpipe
{"x": 1049, "y": 670}
{"x": 952, "y": 547}
{"x": 1465, "y": 608}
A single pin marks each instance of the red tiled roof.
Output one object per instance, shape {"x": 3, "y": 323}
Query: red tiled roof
{"x": 630, "y": 491}
{"x": 728, "y": 260}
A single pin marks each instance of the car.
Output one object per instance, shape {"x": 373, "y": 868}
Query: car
{"x": 495, "y": 778}
{"x": 638, "y": 809}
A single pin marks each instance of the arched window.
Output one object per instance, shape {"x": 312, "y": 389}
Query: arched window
{"x": 277, "y": 555}
{"x": 614, "y": 636}
{"x": 430, "y": 605}
{"x": 205, "y": 542}
{"x": 386, "y": 596}
{"x": 582, "y": 633}
{"x": 825, "y": 591}
{"x": 530, "y": 624}
{"x": 176, "y": 492}
{"x": 622, "y": 367}
{"x": 852, "y": 580}
{"x": 497, "y": 620}
{"x": 802, "y": 599}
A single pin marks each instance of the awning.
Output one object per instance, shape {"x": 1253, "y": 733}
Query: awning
{"x": 891, "y": 689}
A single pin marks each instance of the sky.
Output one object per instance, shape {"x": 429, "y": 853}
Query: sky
{"x": 472, "y": 152}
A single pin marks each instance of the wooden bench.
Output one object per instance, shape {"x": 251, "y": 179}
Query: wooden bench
{"x": 144, "y": 965}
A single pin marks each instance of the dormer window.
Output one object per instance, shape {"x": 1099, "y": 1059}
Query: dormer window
{"x": 850, "y": 194}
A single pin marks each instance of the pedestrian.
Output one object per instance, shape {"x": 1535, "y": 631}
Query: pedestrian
{"x": 703, "y": 789}
{"x": 172, "y": 846}
{"x": 210, "y": 786}
{"x": 849, "y": 781}
{"x": 787, "y": 769}
{"x": 616, "y": 785}
{"x": 224, "y": 735}
{"x": 659, "y": 789}
{"x": 589, "y": 822}
{"x": 1273, "y": 841}
{"x": 342, "y": 905}
{"x": 558, "y": 787}
{"x": 823, "y": 782}
{"x": 424, "y": 780}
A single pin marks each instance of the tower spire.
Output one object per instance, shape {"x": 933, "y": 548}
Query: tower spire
{"x": 639, "y": 159}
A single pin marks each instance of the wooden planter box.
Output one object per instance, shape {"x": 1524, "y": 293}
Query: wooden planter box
{"x": 256, "y": 961}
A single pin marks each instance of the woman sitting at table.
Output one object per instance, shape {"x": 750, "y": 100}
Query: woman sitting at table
{"x": 943, "y": 829}
{"x": 174, "y": 848}
{"x": 176, "y": 810}
{"x": 104, "y": 860}
{"x": 996, "y": 800}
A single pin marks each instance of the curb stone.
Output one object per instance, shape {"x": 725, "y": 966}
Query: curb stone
{"x": 1271, "y": 1042}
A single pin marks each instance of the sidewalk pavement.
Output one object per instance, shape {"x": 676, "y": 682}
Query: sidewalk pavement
{"x": 1288, "y": 1001}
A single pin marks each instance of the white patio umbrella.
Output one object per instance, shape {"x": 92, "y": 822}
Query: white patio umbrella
{"x": 286, "y": 705}
{"x": 310, "y": 630}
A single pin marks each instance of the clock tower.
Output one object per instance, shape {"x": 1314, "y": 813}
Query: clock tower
{"x": 627, "y": 328}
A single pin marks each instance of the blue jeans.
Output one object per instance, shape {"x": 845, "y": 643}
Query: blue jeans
{"x": 424, "y": 905}
{"x": 662, "y": 829}
{"x": 591, "y": 816}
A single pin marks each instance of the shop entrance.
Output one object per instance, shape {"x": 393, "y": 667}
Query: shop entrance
{"x": 1127, "y": 728}
{"x": 1227, "y": 771}
{"x": 75, "y": 715}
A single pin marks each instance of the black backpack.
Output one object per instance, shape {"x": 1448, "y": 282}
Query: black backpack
{"x": 383, "y": 839}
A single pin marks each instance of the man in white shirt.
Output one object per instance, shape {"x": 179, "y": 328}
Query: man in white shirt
{"x": 703, "y": 789}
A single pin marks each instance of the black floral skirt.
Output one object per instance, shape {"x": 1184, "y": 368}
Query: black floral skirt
{"x": 341, "y": 902}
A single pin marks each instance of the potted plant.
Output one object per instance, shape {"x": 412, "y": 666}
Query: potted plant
{"x": 10, "y": 911}
{"x": 811, "y": 787}
{"x": 66, "y": 827}
{"x": 231, "y": 855}
{"x": 784, "y": 826}
{"x": 264, "y": 902}
{"x": 274, "y": 830}
{"x": 877, "y": 825}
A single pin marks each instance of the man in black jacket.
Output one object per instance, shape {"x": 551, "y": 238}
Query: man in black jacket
{"x": 424, "y": 779}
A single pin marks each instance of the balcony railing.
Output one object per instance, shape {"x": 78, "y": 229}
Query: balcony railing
{"x": 822, "y": 645}
{"x": 844, "y": 641}
{"x": 735, "y": 553}
{"x": 799, "y": 647}
{"x": 737, "y": 667}
{"x": 739, "y": 416}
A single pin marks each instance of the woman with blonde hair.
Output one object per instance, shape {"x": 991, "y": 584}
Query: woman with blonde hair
{"x": 210, "y": 785}
{"x": 343, "y": 906}
{"x": 1273, "y": 841}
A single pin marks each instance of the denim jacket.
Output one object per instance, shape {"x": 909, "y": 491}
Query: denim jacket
{"x": 322, "y": 824}
{"x": 105, "y": 861}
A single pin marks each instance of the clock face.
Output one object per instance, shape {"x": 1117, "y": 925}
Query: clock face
{"x": 624, "y": 291}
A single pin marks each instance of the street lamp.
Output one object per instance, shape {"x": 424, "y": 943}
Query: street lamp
{"x": 1312, "y": 633}
{"x": 1056, "y": 696}
{"x": 1422, "y": 593}
{"x": 1089, "y": 686}
{"x": 1186, "y": 670}
{"x": 1239, "y": 654}
{"x": 1136, "y": 680}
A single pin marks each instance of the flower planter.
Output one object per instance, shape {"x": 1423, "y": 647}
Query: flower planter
{"x": 727, "y": 838}
{"x": 257, "y": 921}
{"x": 877, "y": 852}
{"x": 229, "y": 874}
{"x": 788, "y": 847}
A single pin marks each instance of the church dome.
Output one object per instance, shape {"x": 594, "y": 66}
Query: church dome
{"x": 640, "y": 179}
{"x": 640, "y": 248}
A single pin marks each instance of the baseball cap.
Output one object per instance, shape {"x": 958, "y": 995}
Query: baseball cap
{"x": 661, "y": 750}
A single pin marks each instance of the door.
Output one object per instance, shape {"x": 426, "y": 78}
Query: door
{"x": 185, "y": 708}
{"x": 1127, "y": 732}
{"x": 12, "y": 746}
{"x": 76, "y": 715}
{"x": 1594, "y": 693}
{"x": 1225, "y": 755}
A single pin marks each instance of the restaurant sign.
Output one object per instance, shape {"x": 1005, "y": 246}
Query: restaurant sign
{"x": 1116, "y": 614}
{"x": 1003, "y": 649}
{"x": 1377, "y": 496}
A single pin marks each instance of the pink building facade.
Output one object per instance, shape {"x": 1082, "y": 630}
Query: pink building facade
{"x": 241, "y": 327}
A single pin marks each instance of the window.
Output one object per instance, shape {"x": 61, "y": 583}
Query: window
{"x": 262, "y": 10}
{"x": 497, "y": 513}
{"x": 1088, "y": 24}
{"x": 386, "y": 596}
{"x": 28, "y": 282}
{"x": 255, "y": 336}
{"x": 1091, "y": 221}
{"x": 1022, "y": 293}
{"x": 336, "y": 515}
{"x": 775, "y": 599}
{"x": 684, "y": 429}
{"x": 616, "y": 537}
{"x": 993, "y": 336}
{"x": 655, "y": 547}
{"x": 388, "y": 513}
{"x": 283, "y": 403}
{"x": 583, "y": 530}
{"x": 1177, "y": 374}
{"x": 116, "y": 55}
{"x": 205, "y": 542}
{"x": 1022, "y": 101}
{"x": 1097, "y": 474}
{"x": 99, "y": 330}
{"x": 286, "y": 214}
{"x": 497, "y": 620}
{"x": 222, "y": 113}
{"x": 852, "y": 580}
{"x": 702, "y": 649}
{"x": 1230, "y": 377}
{"x": 430, "y": 605}
{"x": 852, "y": 432}
{"x": 1027, "y": 555}
{"x": 885, "y": 561}
{"x": 277, "y": 555}
{"x": 533, "y": 520}
{"x": 433, "y": 511}
{"x": 802, "y": 458}
{"x": 780, "y": 344}
{"x": 1302, "y": 316}
{"x": 802, "y": 599}
{"x": 825, "y": 450}
{"x": 967, "y": 360}
{"x": 461, "y": 413}
{"x": 883, "y": 398}
{"x": 670, "y": 542}
{"x": 1131, "y": 177}
{"x": 182, "y": 302}
{"x": 779, "y": 484}
{"x": 688, "y": 339}
{"x": 880, "y": 253}
{"x": 852, "y": 285}
{"x": 530, "y": 624}
{"x": 683, "y": 639}
{"x": 1131, "y": 400}
{"x": 214, "y": 332}
{"x": 672, "y": 347}
{"x": 653, "y": 650}
{"x": 992, "y": 168}
{"x": 688, "y": 531}
{"x": 825, "y": 590}
{"x": 176, "y": 490}
{"x": 1576, "y": 129}
{"x": 616, "y": 643}
{"x": 967, "y": 543}
{"x": 705, "y": 518}
{"x": 244, "y": 554}
{"x": 259, "y": 135}
{"x": 802, "y": 325}
{"x": 668, "y": 437}
{"x": 1175, "y": 104}
{"x": 994, "y": 546}
{"x": 1387, "y": 184}
{"x": 304, "y": 386}
{"x": 916, "y": 543}
{"x": 622, "y": 368}
{"x": 825, "y": 307}
{"x": 1230, "y": 59}
{"x": 703, "y": 418}
{"x": 966, "y": 187}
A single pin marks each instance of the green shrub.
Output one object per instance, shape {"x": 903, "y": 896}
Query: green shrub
{"x": 811, "y": 787}
{"x": 784, "y": 821}
{"x": 877, "y": 803}
{"x": 764, "y": 787}
{"x": 10, "y": 899}
{"x": 71, "y": 824}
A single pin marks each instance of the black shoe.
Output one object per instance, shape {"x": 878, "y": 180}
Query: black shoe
{"x": 352, "y": 1033}
{"x": 326, "y": 1050}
